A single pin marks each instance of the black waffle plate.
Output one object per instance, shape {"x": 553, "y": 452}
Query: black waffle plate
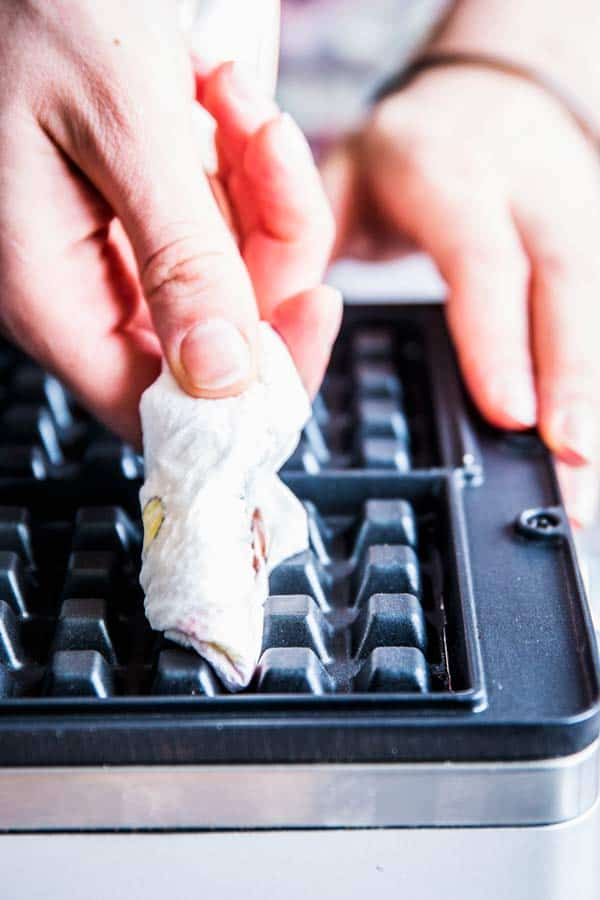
{"x": 438, "y": 613}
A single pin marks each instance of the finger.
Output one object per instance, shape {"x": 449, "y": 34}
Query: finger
{"x": 68, "y": 281}
{"x": 289, "y": 251}
{"x": 309, "y": 324}
{"x": 239, "y": 104}
{"x": 280, "y": 171}
{"x": 287, "y": 226}
{"x": 475, "y": 244}
{"x": 488, "y": 313}
{"x": 566, "y": 324}
{"x": 580, "y": 490}
{"x": 270, "y": 155}
{"x": 194, "y": 280}
{"x": 339, "y": 172}
{"x": 96, "y": 339}
{"x": 361, "y": 231}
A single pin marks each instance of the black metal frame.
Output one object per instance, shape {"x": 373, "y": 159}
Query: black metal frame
{"x": 528, "y": 653}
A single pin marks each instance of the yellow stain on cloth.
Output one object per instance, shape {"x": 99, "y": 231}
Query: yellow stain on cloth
{"x": 153, "y": 516}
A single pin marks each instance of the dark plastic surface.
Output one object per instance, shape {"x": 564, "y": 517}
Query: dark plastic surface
{"x": 438, "y": 613}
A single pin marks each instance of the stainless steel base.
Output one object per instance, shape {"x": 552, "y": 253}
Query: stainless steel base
{"x": 558, "y": 862}
{"x": 302, "y": 796}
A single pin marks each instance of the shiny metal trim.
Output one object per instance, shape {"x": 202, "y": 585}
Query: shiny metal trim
{"x": 299, "y": 796}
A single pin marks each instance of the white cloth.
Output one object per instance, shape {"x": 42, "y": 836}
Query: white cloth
{"x": 212, "y": 503}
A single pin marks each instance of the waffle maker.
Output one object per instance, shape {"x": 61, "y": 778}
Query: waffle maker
{"x": 429, "y": 666}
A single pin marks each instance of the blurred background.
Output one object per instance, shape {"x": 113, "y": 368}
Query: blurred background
{"x": 335, "y": 52}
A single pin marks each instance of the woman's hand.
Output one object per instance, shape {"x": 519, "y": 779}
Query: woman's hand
{"x": 491, "y": 176}
{"x": 113, "y": 247}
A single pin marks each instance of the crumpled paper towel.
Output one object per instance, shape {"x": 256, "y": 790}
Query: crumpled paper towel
{"x": 217, "y": 518}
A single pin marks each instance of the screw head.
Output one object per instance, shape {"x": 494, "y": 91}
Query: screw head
{"x": 543, "y": 521}
{"x": 542, "y": 524}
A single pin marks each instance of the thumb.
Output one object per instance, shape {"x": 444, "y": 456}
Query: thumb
{"x": 147, "y": 165}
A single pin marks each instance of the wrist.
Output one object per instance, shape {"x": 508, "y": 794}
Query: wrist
{"x": 557, "y": 40}
{"x": 485, "y": 64}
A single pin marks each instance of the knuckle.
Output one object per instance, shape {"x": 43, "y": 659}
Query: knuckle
{"x": 414, "y": 156}
{"x": 572, "y": 273}
{"x": 568, "y": 269}
{"x": 115, "y": 120}
{"x": 392, "y": 132}
{"x": 105, "y": 124}
{"x": 383, "y": 123}
{"x": 421, "y": 162}
{"x": 570, "y": 378}
{"x": 555, "y": 266}
{"x": 477, "y": 257}
{"x": 394, "y": 117}
{"x": 184, "y": 268}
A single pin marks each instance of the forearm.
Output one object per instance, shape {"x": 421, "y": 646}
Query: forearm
{"x": 561, "y": 38}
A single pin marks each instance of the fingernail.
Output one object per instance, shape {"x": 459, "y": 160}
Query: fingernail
{"x": 573, "y": 434}
{"x": 288, "y": 143}
{"x": 517, "y": 402}
{"x": 215, "y": 355}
